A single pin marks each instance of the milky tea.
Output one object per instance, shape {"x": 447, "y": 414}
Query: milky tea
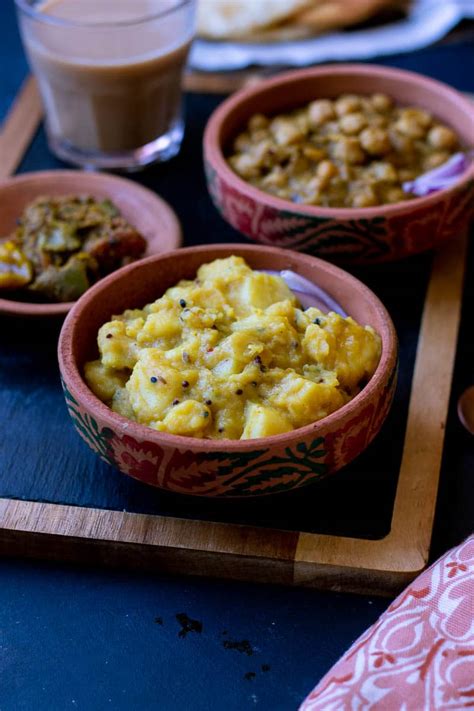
{"x": 109, "y": 73}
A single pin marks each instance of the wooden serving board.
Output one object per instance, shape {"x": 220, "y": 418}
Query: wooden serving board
{"x": 253, "y": 552}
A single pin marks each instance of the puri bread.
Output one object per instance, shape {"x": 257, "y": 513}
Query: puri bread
{"x": 226, "y": 19}
{"x": 325, "y": 15}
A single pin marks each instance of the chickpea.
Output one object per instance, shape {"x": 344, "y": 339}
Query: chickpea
{"x": 302, "y": 121}
{"x": 242, "y": 142}
{"x": 378, "y": 121}
{"x": 245, "y": 165}
{"x": 381, "y": 102}
{"x": 331, "y": 130}
{"x": 364, "y": 198}
{"x": 375, "y": 141}
{"x": 260, "y": 134}
{"x": 419, "y": 115}
{"x": 313, "y": 153}
{"x": 413, "y": 123}
{"x": 347, "y": 104}
{"x": 352, "y": 124}
{"x": 384, "y": 171}
{"x": 320, "y": 111}
{"x": 435, "y": 159}
{"x": 298, "y": 164}
{"x": 402, "y": 144}
{"x": 285, "y": 132}
{"x": 394, "y": 195}
{"x": 442, "y": 137}
{"x": 325, "y": 171}
{"x": 261, "y": 152}
{"x": 277, "y": 178}
{"x": 257, "y": 122}
{"x": 410, "y": 128}
{"x": 348, "y": 150}
{"x": 347, "y": 172}
{"x": 313, "y": 189}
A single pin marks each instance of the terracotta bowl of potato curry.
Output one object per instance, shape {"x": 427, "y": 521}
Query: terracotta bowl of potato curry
{"x": 200, "y": 372}
{"x": 354, "y": 163}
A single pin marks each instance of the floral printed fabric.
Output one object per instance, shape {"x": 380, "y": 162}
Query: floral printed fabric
{"x": 419, "y": 656}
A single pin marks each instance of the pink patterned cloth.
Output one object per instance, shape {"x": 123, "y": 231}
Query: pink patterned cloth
{"x": 419, "y": 656}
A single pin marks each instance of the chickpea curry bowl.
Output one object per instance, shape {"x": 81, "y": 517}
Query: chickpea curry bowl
{"x": 200, "y": 371}
{"x": 353, "y": 163}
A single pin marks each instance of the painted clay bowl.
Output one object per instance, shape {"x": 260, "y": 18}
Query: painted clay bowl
{"x": 222, "y": 468}
{"x": 151, "y": 215}
{"x": 347, "y": 235}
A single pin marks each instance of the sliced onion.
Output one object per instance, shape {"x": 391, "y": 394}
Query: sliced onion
{"x": 308, "y": 293}
{"x": 438, "y": 178}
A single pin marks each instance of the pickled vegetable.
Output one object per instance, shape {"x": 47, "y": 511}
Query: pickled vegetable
{"x": 63, "y": 245}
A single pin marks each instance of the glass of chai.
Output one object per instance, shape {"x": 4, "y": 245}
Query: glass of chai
{"x": 109, "y": 73}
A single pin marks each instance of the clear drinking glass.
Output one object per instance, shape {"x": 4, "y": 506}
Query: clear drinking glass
{"x": 110, "y": 77}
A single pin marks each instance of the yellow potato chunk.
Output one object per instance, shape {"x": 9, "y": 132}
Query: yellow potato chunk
{"x": 258, "y": 290}
{"x": 235, "y": 352}
{"x": 223, "y": 270}
{"x": 104, "y": 381}
{"x": 344, "y": 346}
{"x": 15, "y": 268}
{"x": 263, "y": 421}
{"x": 304, "y": 400}
{"x": 117, "y": 350}
{"x": 153, "y": 385}
{"x": 159, "y": 325}
{"x": 188, "y": 418}
{"x": 121, "y": 403}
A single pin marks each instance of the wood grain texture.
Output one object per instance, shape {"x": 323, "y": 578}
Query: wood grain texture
{"x": 416, "y": 496}
{"x": 224, "y": 82}
{"x": 19, "y": 127}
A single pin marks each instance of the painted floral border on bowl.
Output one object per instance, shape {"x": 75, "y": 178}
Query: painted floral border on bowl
{"x": 236, "y": 474}
{"x": 362, "y": 240}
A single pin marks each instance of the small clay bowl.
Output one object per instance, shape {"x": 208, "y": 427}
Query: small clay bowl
{"x": 347, "y": 235}
{"x": 150, "y": 214}
{"x": 222, "y": 468}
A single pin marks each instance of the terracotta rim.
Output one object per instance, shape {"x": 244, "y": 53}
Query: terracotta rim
{"x": 44, "y": 310}
{"x": 213, "y": 140}
{"x": 79, "y": 389}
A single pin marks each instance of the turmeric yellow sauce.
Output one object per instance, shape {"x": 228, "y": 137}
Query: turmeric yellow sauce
{"x": 230, "y": 355}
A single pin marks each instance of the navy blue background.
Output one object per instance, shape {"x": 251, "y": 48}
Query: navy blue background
{"x": 87, "y": 639}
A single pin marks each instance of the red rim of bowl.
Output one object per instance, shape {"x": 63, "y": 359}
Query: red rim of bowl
{"x": 81, "y": 391}
{"x": 214, "y": 152}
{"x": 12, "y": 307}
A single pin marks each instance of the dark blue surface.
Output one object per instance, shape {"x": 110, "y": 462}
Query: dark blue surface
{"x": 88, "y": 640}
{"x": 85, "y": 639}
